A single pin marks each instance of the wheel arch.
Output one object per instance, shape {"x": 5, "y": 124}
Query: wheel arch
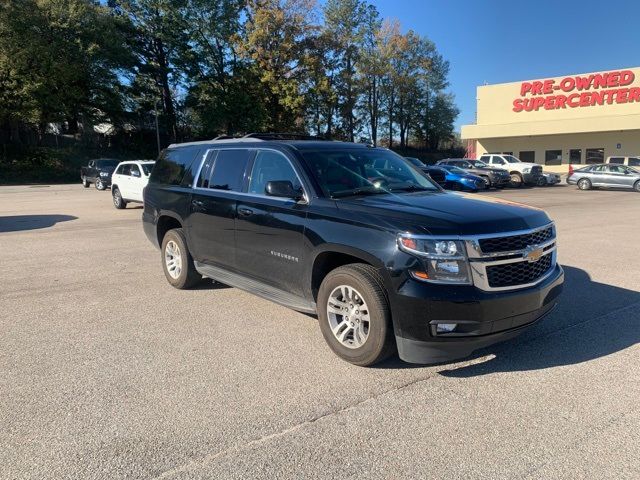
{"x": 333, "y": 256}
{"x": 166, "y": 221}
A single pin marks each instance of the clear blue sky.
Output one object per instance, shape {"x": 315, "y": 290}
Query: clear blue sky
{"x": 498, "y": 41}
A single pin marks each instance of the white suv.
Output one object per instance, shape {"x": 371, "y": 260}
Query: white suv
{"x": 521, "y": 172}
{"x": 128, "y": 181}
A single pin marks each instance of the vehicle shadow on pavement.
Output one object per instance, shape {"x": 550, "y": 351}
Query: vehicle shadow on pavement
{"x": 593, "y": 320}
{"x": 18, "y": 223}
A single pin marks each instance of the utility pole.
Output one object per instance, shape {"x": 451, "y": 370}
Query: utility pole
{"x": 155, "y": 111}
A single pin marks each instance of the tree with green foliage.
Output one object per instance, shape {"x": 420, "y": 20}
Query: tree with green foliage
{"x": 60, "y": 61}
{"x": 346, "y": 21}
{"x": 276, "y": 38}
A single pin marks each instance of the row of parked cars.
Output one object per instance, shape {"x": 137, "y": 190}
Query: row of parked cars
{"x": 127, "y": 179}
{"x": 491, "y": 171}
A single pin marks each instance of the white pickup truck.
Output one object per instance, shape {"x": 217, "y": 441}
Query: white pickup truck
{"x": 522, "y": 173}
{"x": 128, "y": 181}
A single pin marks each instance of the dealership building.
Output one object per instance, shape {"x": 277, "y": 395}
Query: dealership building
{"x": 575, "y": 119}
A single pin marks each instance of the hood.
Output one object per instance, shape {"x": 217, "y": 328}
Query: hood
{"x": 444, "y": 213}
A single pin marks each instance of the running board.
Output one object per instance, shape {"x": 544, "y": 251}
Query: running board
{"x": 256, "y": 287}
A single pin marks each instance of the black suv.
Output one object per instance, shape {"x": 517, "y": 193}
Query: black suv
{"x": 358, "y": 236}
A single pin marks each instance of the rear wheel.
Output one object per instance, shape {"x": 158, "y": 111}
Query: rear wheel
{"x": 354, "y": 315}
{"x": 177, "y": 262}
{"x": 516, "y": 180}
{"x": 584, "y": 184}
{"x": 636, "y": 186}
{"x": 85, "y": 182}
{"x": 118, "y": 201}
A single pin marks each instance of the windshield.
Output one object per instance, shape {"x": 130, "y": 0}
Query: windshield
{"x": 146, "y": 168}
{"x": 478, "y": 163}
{"x": 343, "y": 172}
{"x": 415, "y": 161}
{"x": 453, "y": 169}
{"x": 511, "y": 159}
{"x": 107, "y": 163}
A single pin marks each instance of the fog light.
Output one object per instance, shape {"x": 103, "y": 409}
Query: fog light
{"x": 446, "y": 327}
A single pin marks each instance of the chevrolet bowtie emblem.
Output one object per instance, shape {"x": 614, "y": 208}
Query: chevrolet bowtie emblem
{"x": 532, "y": 255}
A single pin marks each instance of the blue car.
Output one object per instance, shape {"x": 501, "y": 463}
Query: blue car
{"x": 454, "y": 178}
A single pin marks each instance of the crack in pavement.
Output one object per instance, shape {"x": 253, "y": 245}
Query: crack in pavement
{"x": 202, "y": 461}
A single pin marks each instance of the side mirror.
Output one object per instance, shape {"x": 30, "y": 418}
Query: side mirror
{"x": 283, "y": 189}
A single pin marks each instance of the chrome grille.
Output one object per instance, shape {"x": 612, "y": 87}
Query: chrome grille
{"x": 516, "y": 242}
{"x": 519, "y": 273}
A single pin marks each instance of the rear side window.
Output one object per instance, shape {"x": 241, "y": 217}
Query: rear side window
{"x": 125, "y": 169}
{"x": 228, "y": 170}
{"x": 174, "y": 166}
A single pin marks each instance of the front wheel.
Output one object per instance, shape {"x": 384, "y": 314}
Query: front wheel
{"x": 584, "y": 184}
{"x": 354, "y": 315}
{"x": 177, "y": 262}
{"x": 100, "y": 185}
{"x": 118, "y": 201}
{"x": 636, "y": 186}
{"x": 516, "y": 180}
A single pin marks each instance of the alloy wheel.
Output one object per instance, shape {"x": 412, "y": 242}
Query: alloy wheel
{"x": 173, "y": 259}
{"x": 348, "y": 316}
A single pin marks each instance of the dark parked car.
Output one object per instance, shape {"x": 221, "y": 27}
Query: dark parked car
{"x": 98, "y": 172}
{"x": 356, "y": 235}
{"x": 455, "y": 178}
{"x": 494, "y": 177}
{"x": 605, "y": 175}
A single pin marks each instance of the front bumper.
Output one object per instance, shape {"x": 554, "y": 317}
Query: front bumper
{"x": 485, "y": 318}
{"x": 531, "y": 178}
{"x": 500, "y": 181}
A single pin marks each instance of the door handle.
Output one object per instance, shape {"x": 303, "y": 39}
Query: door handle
{"x": 245, "y": 212}
{"x": 197, "y": 205}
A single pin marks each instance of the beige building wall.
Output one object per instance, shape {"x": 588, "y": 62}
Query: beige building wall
{"x": 609, "y": 115}
{"x": 629, "y": 142}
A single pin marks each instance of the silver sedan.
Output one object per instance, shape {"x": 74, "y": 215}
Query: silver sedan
{"x": 605, "y": 175}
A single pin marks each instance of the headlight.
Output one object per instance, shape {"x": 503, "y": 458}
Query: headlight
{"x": 104, "y": 174}
{"x": 526, "y": 170}
{"x": 445, "y": 261}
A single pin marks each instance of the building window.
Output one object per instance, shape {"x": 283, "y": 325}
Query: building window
{"x": 618, "y": 160}
{"x": 634, "y": 162}
{"x": 595, "y": 155}
{"x": 553, "y": 157}
{"x": 575, "y": 156}
{"x": 528, "y": 156}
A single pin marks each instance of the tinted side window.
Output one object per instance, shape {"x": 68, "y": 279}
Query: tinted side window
{"x": 228, "y": 170}
{"x": 174, "y": 166}
{"x": 135, "y": 171}
{"x": 485, "y": 158}
{"x": 125, "y": 169}
{"x": 270, "y": 166}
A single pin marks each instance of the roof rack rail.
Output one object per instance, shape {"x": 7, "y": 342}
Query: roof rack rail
{"x": 223, "y": 137}
{"x": 283, "y": 136}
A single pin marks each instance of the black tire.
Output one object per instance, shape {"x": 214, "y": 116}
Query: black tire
{"x": 118, "y": 201}
{"x": 487, "y": 180}
{"x": 380, "y": 342}
{"x": 516, "y": 180}
{"x": 636, "y": 186}
{"x": 584, "y": 184}
{"x": 541, "y": 182}
{"x": 100, "y": 185}
{"x": 85, "y": 182}
{"x": 188, "y": 276}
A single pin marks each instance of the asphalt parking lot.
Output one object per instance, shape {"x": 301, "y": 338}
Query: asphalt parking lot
{"x": 108, "y": 372}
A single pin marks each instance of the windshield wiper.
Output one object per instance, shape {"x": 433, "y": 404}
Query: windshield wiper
{"x": 412, "y": 188}
{"x": 357, "y": 191}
